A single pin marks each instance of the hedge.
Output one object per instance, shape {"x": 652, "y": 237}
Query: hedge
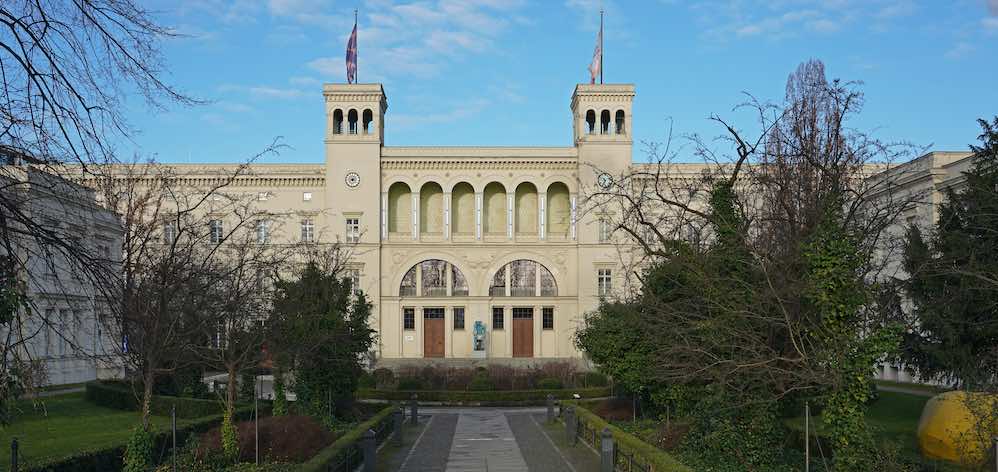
{"x": 486, "y": 396}
{"x": 120, "y": 396}
{"x": 659, "y": 460}
{"x": 110, "y": 458}
{"x": 328, "y": 455}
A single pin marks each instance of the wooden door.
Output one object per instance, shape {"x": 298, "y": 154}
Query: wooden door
{"x": 523, "y": 332}
{"x": 433, "y": 332}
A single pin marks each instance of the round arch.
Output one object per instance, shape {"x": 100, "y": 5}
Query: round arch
{"x": 433, "y": 270}
{"x": 542, "y": 265}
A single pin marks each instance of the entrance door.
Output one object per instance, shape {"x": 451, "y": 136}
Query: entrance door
{"x": 523, "y": 332}
{"x": 433, "y": 332}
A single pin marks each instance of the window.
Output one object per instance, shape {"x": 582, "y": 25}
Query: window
{"x": 408, "y": 287}
{"x": 307, "y": 230}
{"x": 306, "y": 196}
{"x": 50, "y": 337}
{"x": 354, "y": 276}
{"x": 169, "y": 232}
{"x": 433, "y": 313}
{"x": 353, "y": 230}
{"x": 262, "y": 231}
{"x": 408, "y": 319}
{"x": 604, "y": 282}
{"x": 262, "y": 196}
{"x": 523, "y": 313}
{"x": 547, "y": 317}
{"x": 63, "y": 331}
{"x": 498, "y": 317}
{"x": 604, "y": 229}
{"x": 215, "y": 227}
{"x": 459, "y": 317}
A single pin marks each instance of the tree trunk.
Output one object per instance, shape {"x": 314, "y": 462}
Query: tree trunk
{"x": 148, "y": 378}
{"x": 231, "y": 390}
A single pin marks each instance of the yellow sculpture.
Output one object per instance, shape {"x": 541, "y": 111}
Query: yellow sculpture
{"x": 953, "y": 426}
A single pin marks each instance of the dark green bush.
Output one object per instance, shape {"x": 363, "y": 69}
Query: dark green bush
{"x": 410, "y": 383}
{"x": 366, "y": 380}
{"x": 383, "y": 378}
{"x": 327, "y": 457}
{"x": 480, "y": 383}
{"x": 490, "y": 397}
{"x": 549, "y": 384}
{"x": 121, "y": 396}
{"x": 592, "y": 379}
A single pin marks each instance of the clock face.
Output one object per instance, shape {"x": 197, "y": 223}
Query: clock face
{"x": 604, "y": 180}
{"x": 352, "y": 179}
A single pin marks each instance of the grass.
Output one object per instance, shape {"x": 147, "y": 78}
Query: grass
{"x": 61, "y": 425}
{"x": 928, "y": 389}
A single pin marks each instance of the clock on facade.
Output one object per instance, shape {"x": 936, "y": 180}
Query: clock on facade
{"x": 604, "y": 180}
{"x": 352, "y": 179}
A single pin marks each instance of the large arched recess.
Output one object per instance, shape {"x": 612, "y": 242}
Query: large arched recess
{"x": 433, "y": 279}
{"x": 494, "y": 208}
{"x": 399, "y": 208}
{"x": 462, "y": 211}
{"x": 559, "y": 211}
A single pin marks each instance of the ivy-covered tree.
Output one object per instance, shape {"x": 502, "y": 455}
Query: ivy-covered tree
{"x": 953, "y": 282}
{"x": 321, "y": 329}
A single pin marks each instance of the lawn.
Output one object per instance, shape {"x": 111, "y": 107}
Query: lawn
{"x": 61, "y": 425}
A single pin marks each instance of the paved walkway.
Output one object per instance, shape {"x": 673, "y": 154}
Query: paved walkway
{"x": 488, "y": 440}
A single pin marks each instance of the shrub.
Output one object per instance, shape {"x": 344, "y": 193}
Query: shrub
{"x": 122, "y": 396}
{"x": 410, "y": 383}
{"x": 480, "y": 383}
{"x": 280, "y": 398}
{"x": 366, "y": 380}
{"x": 282, "y": 439}
{"x": 230, "y": 440}
{"x": 644, "y": 453}
{"x": 138, "y": 451}
{"x": 590, "y": 379}
{"x": 488, "y": 397}
{"x": 549, "y": 384}
{"x": 383, "y": 378}
{"x": 327, "y": 457}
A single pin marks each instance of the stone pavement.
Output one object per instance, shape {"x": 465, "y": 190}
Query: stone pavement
{"x": 488, "y": 440}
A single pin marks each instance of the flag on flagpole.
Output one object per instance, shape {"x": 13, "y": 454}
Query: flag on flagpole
{"x": 595, "y": 68}
{"x": 352, "y": 55}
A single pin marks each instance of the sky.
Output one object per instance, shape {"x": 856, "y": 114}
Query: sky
{"x": 501, "y": 72}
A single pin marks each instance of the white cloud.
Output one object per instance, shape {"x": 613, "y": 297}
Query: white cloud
{"x": 990, "y": 24}
{"x": 455, "y": 113}
{"x": 959, "y": 51}
{"x": 266, "y": 91}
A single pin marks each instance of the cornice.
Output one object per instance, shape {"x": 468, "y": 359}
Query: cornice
{"x": 478, "y": 163}
{"x": 473, "y": 152}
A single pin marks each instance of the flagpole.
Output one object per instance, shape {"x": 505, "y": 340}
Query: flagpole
{"x": 356, "y": 56}
{"x": 601, "y": 64}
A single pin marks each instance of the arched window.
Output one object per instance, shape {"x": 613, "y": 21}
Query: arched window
{"x": 433, "y": 278}
{"x": 604, "y": 122}
{"x": 399, "y": 208}
{"x": 431, "y": 209}
{"x": 462, "y": 209}
{"x": 559, "y": 212}
{"x": 338, "y": 121}
{"x": 526, "y": 209}
{"x": 619, "y": 122}
{"x": 368, "y": 118}
{"x": 523, "y": 278}
{"x": 590, "y": 122}
{"x": 352, "y": 119}
{"x": 494, "y": 211}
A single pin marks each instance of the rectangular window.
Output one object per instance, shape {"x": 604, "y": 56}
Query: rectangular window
{"x": 262, "y": 231}
{"x": 353, "y": 230}
{"x": 354, "y": 276}
{"x": 459, "y": 317}
{"x": 408, "y": 319}
{"x": 604, "y": 229}
{"x": 306, "y": 196}
{"x": 547, "y": 317}
{"x": 604, "y": 282}
{"x": 498, "y": 317}
{"x": 523, "y": 313}
{"x": 63, "y": 332}
{"x": 215, "y": 226}
{"x": 307, "y": 230}
{"x": 169, "y": 232}
{"x": 433, "y": 313}
{"x": 50, "y": 336}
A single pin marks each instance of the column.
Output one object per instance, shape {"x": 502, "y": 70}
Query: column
{"x": 541, "y": 219}
{"x": 447, "y": 215}
{"x": 510, "y": 213}
{"x": 478, "y": 215}
{"x": 507, "y": 274}
{"x": 419, "y": 280}
{"x": 449, "y": 278}
{"x": 538, "y": 332}
{"x": 415, "y": 216}
{"x": 572, "y": 227}
{"x": 384, "y": 216}
{"x": 537, "y": 281}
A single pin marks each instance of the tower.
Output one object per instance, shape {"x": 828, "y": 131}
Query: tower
{"x": 601, "y": 117}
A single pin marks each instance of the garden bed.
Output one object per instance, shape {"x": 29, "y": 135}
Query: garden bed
{"x": 481, "y": 398}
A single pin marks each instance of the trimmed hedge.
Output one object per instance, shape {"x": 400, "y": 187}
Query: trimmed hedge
{"x": 327, "y": 457}
{"x": 659, "y": 460}
{"x": 120, "y": 396}
{"x": 493, "y": 396}
{"x": 110, "y": 458}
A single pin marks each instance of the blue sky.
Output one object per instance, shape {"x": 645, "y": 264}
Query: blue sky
{"x": 501, "y": 72}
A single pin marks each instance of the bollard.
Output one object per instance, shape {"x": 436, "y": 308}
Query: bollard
{"x": 550, "y": 402}
{"x": 570, "y": 425}
{"x": 13, "y": 455}
{"x": 397, "y": 424}
{"x": 173, "y": 429}
{"x": 369, "y": 446}
{"x": 606, "y": 451}
{"x": 414, "y": 409}
{"x": 994, "y": 442}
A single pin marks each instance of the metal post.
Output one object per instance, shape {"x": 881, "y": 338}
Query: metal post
{"x": 606, "y": 451}
{"x": 368, "y": 446}
{"x": 994, "y": 443}
{"x": 13, "y": 455}
{"x": 173, "y": 428}
{"x": 550, "y": 402}
{"x": 570, "y": 425}
{"x": 257, "y": 390}
{"x": 414, "y": 409}
{"x": 807, "y": 437}
{"x": 397, "y": 424}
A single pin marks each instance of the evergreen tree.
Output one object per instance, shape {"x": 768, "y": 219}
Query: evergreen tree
{"x": 953, "y": 281}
